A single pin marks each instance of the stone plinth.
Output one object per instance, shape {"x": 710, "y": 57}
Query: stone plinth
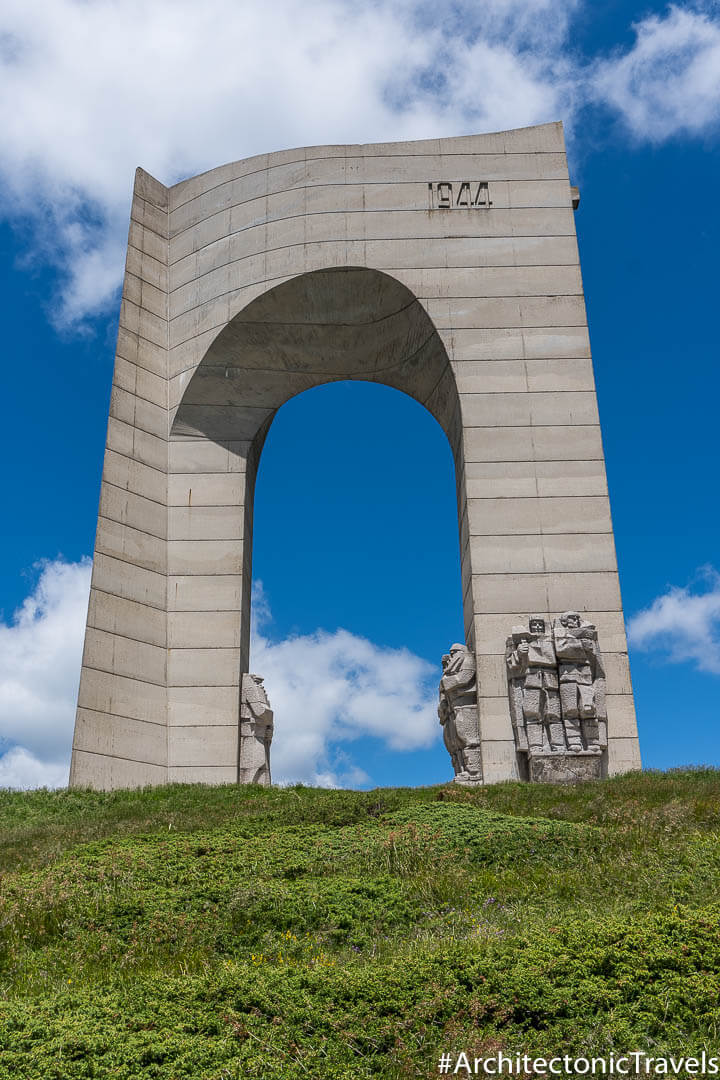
{"x": 566, "y": 768}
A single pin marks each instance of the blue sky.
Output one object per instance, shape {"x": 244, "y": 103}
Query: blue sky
{"x": 360, "y": 574}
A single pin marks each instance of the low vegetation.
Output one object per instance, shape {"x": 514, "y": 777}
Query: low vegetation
{"x": 192, "y": 933}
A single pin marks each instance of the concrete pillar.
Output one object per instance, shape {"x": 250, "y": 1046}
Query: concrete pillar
{"x": 121, "y": 726}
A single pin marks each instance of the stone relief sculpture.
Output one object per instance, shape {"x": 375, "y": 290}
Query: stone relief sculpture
{"x": 534, "y": 687}
{"x": 582, "y": 683}
{"x": 447, "y": 721}
{"x": 256, "y": 732}
{"x": 458, "y": 714}
{"x": 556, "y": 688}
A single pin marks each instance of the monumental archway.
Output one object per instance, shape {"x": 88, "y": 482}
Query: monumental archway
{"x": 445, "y": 269}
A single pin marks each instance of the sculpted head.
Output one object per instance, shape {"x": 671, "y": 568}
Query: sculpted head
{"x": 456, "y": 648}
{"x": 570, "y": 619}
{"x": 536, "y": 624}
{"x": 253, "y": 689}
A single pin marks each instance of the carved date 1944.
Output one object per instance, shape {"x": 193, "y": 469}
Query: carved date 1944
{"x": 463, "y": 193}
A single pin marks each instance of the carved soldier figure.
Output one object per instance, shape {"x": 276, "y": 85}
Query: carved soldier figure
{"x": 516, "y": 680}
{"x": 447, "y": 720}
{"x": 256, "y": 732}
{"x": 533, "y": 686}
{"x": 458, "y": 704}
{"x": 582, "y": 681}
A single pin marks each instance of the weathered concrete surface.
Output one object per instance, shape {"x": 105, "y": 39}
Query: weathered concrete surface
{"x": 565, "y": 768}
{"x": 265, "y": 277}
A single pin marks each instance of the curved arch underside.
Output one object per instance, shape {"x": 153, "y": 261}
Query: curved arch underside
{"x": 323, "y": 326}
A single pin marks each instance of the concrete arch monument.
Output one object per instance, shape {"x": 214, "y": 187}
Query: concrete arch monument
{"x": 445, "y": 268}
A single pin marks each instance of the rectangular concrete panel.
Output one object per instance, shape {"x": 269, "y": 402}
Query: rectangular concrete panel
{"x": 122, "y": 738}
{"x": 447, "y": 268}
{"x": 191, "y": 706}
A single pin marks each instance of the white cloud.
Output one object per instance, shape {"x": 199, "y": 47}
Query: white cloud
{"x": 668, "y": 83}
{"x": 327, "y": 690}
{"x": 21, "y": 769}
{"x": 93, "y": 89}
{"x": 40, "y": 654}
{"x": 683, "y": 624}
{"x": 332, "y": 688}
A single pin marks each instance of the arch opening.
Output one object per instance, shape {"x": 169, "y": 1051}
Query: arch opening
{"x": 319, "y": 327}
{"x": 355, "y": 544}
{"x": 327, "y": 326}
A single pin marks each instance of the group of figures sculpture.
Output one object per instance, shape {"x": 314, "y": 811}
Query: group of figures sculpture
{"x": 556, "y": 684}
{"x": 556, "y": 688}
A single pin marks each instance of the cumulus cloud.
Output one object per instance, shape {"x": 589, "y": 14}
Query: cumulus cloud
{"x": 21, "y": 769}
{"x": 683, "y": 624}
{"x": 93, "y": 89}
{"x": 327, "y": 690}
{"x": 40, "y": 654}
{"x": 668, "y": 83}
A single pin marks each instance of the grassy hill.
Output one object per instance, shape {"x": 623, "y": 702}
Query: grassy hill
{"x": 217, "y": 933}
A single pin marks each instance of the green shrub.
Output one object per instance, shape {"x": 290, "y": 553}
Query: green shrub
{"x": 210, "y": 933}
